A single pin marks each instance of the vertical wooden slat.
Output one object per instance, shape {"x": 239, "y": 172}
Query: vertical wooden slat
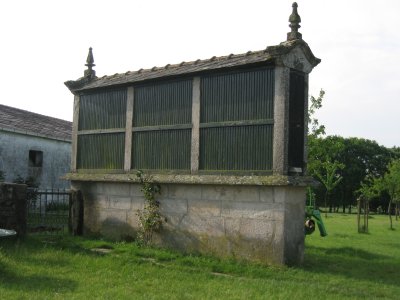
{"x": 305, "y": 158}
{"x": 103, "y": 110}
{"x": 236, "y": 148}
{"x": 161, "y": 150}
{"x": 101, "y": 151}
{"x": 297, "y": 116}
{"x": 166, "y": 103}
{"x": 128, "y": 129}
{"x": 237, "y": 96}
{"x": 195, "y": 149}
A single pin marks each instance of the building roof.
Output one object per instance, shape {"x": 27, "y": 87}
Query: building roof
{"x": 270, "y": 55}
{"x": 25, "y": 122}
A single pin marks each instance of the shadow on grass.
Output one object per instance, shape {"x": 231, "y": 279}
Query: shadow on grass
{"x": 353, "y": 263}
{"x": 11, "y": 280}
{"x": 19, "y": 252}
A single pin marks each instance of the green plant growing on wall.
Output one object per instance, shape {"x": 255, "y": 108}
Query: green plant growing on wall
{"x": 150, "y": 219}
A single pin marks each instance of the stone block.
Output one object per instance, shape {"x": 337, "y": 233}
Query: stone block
{"x": 216, "y": 192}
{"x": 135, "y": 189}
{"x": 176, "y": 206}
{"x": 91, "y": 188}
{"x": 267, "y": 194}
{"x": 179, "y": 191}
{"x": 256, "y": 229}
{"x": 231, "y": 226}
{"x": 120, "y": 202}
{"x": 173, "y": 221}
{"x": 91, "y": 221}
{"x": 247, "y": 193}
{"x": 117, "y": 189}
{"x": 132, "y": 219}
{"x": 137, "y": 203}
{"x": 296, "y": 195}
{"x": 280, "y": 194}
{"x": 252, "y": 210}
{"x": 204, "y": 208}
{"x": 96, "y": 201}
{"x": 112, "y": 216}
{"x": 201, "y": 225}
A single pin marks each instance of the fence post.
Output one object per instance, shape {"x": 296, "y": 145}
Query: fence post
{"x": 75, "y": 222}
{"x": 13, "y": 205}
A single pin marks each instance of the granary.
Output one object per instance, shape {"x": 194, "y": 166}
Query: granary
{"x": 225, "y": 137}
{"x": 34, "y": 145}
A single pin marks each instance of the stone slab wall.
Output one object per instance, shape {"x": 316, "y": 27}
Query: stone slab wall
{"x": 14, "y": 159}
{"x": 259, "y": 223}
{"x": 13, "y": 207}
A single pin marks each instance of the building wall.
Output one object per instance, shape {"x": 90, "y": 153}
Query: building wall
{"x": 258, "y": 223}
{"x": 14, "y": 158}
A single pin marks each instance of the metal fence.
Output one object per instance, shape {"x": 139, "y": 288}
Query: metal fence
{"x": 48, "y": 211}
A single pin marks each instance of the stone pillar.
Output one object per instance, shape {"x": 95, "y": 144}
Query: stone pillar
{"x": 128, "y": 129}
{"x": 195, "y": 149}
{"x": 74, "y": 142}
{"x": 281, "y": 115}
{"x": 76, "y": 213}
{"x": 13, "y": 206}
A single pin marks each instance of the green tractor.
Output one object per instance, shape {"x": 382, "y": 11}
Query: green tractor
{"x": 313, "y": 216}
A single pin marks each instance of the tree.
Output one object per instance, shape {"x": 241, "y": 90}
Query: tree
{"x": 391, "y": 184}
{"x": 370, "y": 189}
{"x": 315, "y": 129}
{"x": 363, "y": 158}
{"x": 325, "y": 167}
{"x": 328, "y": 175}
{"x": 321, "y": 163}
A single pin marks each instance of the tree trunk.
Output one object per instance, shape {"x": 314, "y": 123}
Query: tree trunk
{"x": 397, "y": 210}
{"x": 390, "y": 213}
{"x": 367, "y": 213}
{"x": 358, "y": 215}
{"x": 326, "y": 204}
{"x": 343, "y": 202}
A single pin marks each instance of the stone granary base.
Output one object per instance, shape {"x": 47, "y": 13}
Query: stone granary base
{"x": 255, "y": 220}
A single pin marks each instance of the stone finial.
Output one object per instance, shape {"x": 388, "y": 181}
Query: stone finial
{"x": 90, "y": 73}
{"x": 294, "y": 20}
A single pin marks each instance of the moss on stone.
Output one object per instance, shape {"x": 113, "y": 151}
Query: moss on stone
{"x": 270, "y": 180}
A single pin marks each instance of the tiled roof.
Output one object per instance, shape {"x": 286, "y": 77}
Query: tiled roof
{"x": 269, "y": 55}
{"x": 22, "y": 121}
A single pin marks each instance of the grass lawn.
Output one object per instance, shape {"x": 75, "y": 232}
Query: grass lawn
{"x": 344, "y": 265}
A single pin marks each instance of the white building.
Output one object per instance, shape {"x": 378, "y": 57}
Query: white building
{"x": 34, "y": 145}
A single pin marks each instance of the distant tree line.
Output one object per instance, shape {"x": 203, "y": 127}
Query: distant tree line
{"x": 356, "y": 160}
{"x": 347, "y": 167}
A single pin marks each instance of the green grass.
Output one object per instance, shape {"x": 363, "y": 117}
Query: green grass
{"x": 344, "y": 265}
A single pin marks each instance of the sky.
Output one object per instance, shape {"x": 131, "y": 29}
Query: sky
{"x": 45, "y": 43}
